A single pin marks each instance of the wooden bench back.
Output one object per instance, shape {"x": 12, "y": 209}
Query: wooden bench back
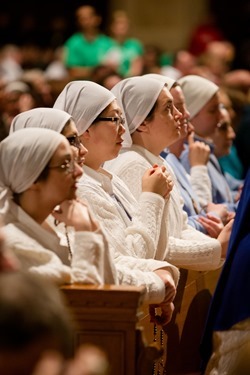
{"x": 114, "y": 318}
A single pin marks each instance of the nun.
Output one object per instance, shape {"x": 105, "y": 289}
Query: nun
{"x": 152, "y": 124}
{"x": 38, "y": 178}
{"x": 133, "y": 228}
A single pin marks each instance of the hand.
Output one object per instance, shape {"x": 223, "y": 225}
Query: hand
{"x": 165, "y": 316}
{"x": 75, "y": 213}
{"x": 238, "y": 195}
{"x": 170, "y": 289}
{"x": 224, "y": 237}
{"x": 198, "y": 152}
{"x": 157, "y": 180}
{"x": 220, "y": 209}
{"x": 212, "y": 224}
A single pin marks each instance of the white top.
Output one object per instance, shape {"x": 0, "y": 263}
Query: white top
{"x": 187, "y": 247}
{"x": 131, "y": 241}
{"x": 42, "y": 252}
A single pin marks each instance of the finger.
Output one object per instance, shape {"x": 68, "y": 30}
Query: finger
{"x": 213, "y": 218}
{"x": 57, "y": 209}
{"x": 190, "y": 139}
{"x": 152, "y": 313}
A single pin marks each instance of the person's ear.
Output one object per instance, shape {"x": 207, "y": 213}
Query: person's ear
{"x": 143, "y": 128}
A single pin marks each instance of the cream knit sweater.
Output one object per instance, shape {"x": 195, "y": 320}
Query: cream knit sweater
{"x": 187, "y": 247}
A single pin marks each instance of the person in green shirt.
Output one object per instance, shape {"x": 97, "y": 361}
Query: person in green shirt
{"x": 126, "y": 55}
{"x": 86, "y": 48}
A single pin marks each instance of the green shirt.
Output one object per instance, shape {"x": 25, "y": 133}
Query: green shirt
{"x": 123, "y": 54}
{"x": 81, "y": 52}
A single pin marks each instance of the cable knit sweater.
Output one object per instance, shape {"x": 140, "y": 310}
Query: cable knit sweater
{"x": 42, "y": 252}
{"x": 187, "y": 247}
{"x": 133, "y": 230}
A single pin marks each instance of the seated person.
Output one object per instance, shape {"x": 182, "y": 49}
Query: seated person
{"x": 100, "y": 124}
{"x": 129, "y": 270}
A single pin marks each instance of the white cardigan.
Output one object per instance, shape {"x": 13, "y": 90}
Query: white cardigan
{"x": 130, "y": 241}
{"x": 187, "y": 247}
{"x": 42, "y": 252}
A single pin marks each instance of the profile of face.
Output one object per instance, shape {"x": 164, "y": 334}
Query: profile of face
{"x": 207, "y": 119}
{"x": 164, "y": 125}
{"x": 71, "y": 133}
{"x": 103, "y": 139}
{"x": 180, "y": 104}
{"x": 186, "y": 127}
{"x": 224, "y": 135}
{"x": 63, "y": 174}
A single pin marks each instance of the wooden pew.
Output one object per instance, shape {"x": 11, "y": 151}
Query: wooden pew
{"x": 114, "y": 318}
{"x": 107, "y": 317}
{"x": 180, "y": 339}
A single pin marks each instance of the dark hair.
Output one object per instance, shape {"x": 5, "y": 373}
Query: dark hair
{"x": 44, "y": 174}
{"x": 150, "y": 115}
{"x": 32, "y": 310}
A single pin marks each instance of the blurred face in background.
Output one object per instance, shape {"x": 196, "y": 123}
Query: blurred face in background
{"x": 224, "y": 135}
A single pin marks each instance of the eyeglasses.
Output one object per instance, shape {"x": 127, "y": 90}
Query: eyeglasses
{"x": 75, "y": 141}
{"x": 118, "y": 120}
{"x": 68, "y": 166}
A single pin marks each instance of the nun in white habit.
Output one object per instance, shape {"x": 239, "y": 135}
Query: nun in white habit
{"x": 202, "y": 98}
{"x": 38, "y": 176}
{"x": 195, "y": 187}
{"x": 54, "y": 119}
{"x": 152, "y": 123}
{"x": 133, "y": 228}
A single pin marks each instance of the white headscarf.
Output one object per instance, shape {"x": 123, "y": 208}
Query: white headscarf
{"x": 169, "y": 81}
{"x": 84, "y": 101}
{"x": 136, "y": 96}
{"x": 49, "y": 118}
{"x": 23, "y": 156}
{"x": 197, "y": 91}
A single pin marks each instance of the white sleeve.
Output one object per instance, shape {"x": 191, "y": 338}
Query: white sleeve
{"x": 91, "y": 262}
{"x": 137, "y": 272}
{"x": 87, "y": 262}
{"x": 187, "y": 247}
{"x": 132, "y": 238}
{"x": 201, "y": 184}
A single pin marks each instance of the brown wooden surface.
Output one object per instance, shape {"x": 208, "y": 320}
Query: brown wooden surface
{"x": 113, "y": 318}
{"x": 107, "y": 317}
{"x": 181, "y": 337}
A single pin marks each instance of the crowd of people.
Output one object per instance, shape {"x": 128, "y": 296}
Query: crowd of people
{"x": 116, "y": 169}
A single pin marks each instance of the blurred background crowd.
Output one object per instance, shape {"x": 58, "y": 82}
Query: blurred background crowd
{"x": 39, "y": 49}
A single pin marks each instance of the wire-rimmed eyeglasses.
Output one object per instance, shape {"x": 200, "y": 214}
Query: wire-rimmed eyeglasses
{"x": 68, "y": 166}
{"x": 117, "y": 120}
{"x": 74, "y": 140}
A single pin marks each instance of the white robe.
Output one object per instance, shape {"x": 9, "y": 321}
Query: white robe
{"x": 43, "y": 252}
{"x": 130, "y": 241}
{"x": 187, "y": 247}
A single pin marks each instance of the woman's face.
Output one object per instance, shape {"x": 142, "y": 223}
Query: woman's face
{"x": 224, "y": 135}
{"x": 206, "y": 121}
{"x": 180, "y": 104}
{"x": 71, "y": 133}
{"x": 103, "y": 139}
{"x": 165, "y": 125}
{"x": 64, "y": 172}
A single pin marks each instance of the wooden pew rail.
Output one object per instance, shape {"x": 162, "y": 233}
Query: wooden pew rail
{"x": 115, "y": 319}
